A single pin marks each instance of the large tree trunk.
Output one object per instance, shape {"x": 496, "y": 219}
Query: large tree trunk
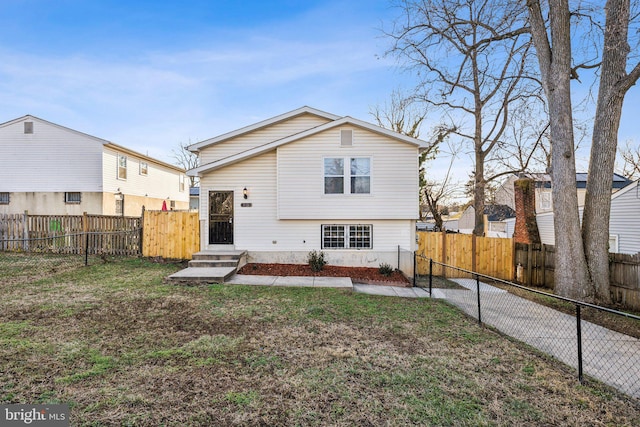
{"x": 571, "y": 274}
{"x": 479, "y": 196}
{"x": 595, "y": 228}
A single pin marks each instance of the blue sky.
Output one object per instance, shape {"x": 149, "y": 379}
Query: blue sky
{"x": 151, "y": 74}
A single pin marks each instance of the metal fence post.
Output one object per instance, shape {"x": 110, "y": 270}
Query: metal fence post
{"x": 478, "y": 292}
{"x": 430, "y": 276}
{"x": 86, "y": 248}
{"x": 415, "y": 273}
{"x": 579, "y": 331}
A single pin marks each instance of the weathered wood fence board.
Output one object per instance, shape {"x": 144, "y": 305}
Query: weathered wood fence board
{"x": 111, "y": 235}
{"x": 484, "y": 255}
{"x": 170, "y": 234}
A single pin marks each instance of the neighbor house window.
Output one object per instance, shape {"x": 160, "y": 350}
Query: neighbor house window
{"x": 354, "y": 179}
{"x": 4, "y": 198}
{"x": 181, "y": 183}
{"x": 144, "y": 168}
{"x": 122, "y": 166}
{"x": 72, "y": 197}
{"x": 28, "y": 127}
{"x": 340, "y": 236}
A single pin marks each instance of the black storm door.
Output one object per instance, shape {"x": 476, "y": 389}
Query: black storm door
{"x": 221, "y": 217}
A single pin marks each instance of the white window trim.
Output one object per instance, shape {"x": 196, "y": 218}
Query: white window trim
{"x": 7, "y": 200}
{"x": 72, "y": 202}
{"x": 616, "y": 243}
{"x": 347, "y": 237}
{"x": 346, "y": 184}
{"x": 118, "y": 167}
{"x": 146, "y": 169}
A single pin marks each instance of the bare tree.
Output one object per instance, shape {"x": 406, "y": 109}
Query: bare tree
{"x": 401, "y": 114}
{"x": 436, "y": 193}
{"x": 472, "y": 59}
{"x": 630, "y": 155}
{"x": 582, "y": 267}
{"x": 186, "y": 160}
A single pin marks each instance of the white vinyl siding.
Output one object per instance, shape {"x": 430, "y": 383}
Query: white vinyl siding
{"x": 624, "y": 231}
{"x": 256, "y": 228}
{"x": 161, "y": 182}
{"x": 625, "y": 206}
{"x": 259, "y": 137}
{"x": 60, "y": 160}
{"x": 393, "y": 178}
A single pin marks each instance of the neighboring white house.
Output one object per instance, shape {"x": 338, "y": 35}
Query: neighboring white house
{"x": 53, "y": 170}
{"x": 624, "y": 228}
{"x": 309, "y": 180}
{"x": 499, "y": 220}
{"x": 505, "y": 193}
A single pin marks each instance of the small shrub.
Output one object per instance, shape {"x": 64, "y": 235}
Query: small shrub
{"x": 316, "y": 260}
{"x": 385, "y": 269}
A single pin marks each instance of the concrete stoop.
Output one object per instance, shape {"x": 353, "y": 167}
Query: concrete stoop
{"x": 210, "y": 267}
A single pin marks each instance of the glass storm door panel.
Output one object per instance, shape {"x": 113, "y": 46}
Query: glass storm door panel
{"x": 221, "y": 217}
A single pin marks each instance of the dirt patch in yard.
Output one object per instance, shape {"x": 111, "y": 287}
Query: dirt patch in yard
{"x": 357, "y": 274}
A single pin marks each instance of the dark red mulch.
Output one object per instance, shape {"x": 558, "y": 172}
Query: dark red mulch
{"x": 357, "y": 274}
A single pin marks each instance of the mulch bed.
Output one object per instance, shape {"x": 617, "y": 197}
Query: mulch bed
{"x": 366, "y": 275}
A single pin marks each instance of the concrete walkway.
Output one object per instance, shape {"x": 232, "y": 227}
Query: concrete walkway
{"x": 608, "y": 356}
{"x": 327, "y": 282}
{"x": 299, "y": 281}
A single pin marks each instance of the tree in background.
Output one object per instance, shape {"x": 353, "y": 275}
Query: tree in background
{"x": 582, "y": 261}
{"x": 472, "y": 61}
{"x": 631, "y": 161}
{"x": 186, "y": 160}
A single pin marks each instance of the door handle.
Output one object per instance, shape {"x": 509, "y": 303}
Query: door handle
{"x": 230, "y": 220}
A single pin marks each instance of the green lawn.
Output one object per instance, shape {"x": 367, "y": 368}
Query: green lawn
{"x": 123, "y": 348}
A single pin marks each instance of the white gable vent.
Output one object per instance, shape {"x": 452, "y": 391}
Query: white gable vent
{"x": 28, "y": 127}
{"x": 346, "y": 138}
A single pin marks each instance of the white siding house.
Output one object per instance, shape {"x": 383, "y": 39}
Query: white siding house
{"x": 624, "y": 228}
{"x": 53, "y": 170}
{"x": 310, "y": 180}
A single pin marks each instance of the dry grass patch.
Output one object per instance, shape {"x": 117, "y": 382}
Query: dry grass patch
{"x": 122, "y": 348}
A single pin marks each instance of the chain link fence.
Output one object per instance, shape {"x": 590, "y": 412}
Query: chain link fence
{"x": 597, "y": 342}
{"x": 34, "y": 258}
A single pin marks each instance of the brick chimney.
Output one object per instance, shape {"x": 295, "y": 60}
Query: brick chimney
{"x": 526, "y": 229}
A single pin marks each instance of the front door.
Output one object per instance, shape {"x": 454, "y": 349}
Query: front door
{"x": 221, "y": 217}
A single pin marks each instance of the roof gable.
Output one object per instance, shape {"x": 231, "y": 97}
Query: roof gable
{"x": 64, "y": 128}
{"x": 313, "y": 131}
{"x": 103, "y": 142}
{"x": 261, "y": 125}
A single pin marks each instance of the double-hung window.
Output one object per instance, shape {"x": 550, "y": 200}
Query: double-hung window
{"x": 122, "y": 166}
{"x": 343, "y": 236}
{"x": 347, "y": 175}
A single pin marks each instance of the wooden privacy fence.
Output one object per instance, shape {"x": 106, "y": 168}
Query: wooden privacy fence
{"x": 535, "y": 267}
{"x": 484, "y": 255}
{"x": 97, "y": 234}
{"x": 170, "y": 234}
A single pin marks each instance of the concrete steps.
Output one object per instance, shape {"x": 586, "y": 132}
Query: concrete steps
{"x": 210, "y": 267}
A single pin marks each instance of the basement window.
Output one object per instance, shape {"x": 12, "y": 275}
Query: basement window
{"x": 73, "y": 197}
{"x": 4, "y": 198}
{"x": 339, "y": 236}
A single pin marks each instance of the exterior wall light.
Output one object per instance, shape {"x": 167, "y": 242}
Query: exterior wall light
{"x": 245, "y": 193}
